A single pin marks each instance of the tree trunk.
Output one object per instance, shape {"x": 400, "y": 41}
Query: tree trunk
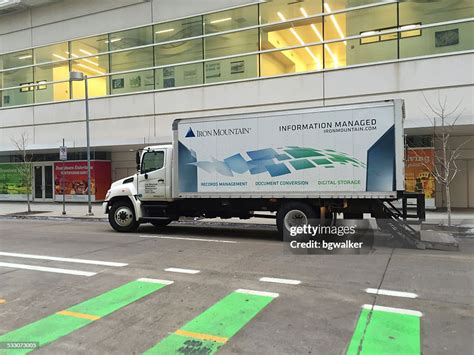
{"x": 448, "y": 204}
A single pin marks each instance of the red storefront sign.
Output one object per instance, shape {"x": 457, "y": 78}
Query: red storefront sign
{"x": 75, "y": 180}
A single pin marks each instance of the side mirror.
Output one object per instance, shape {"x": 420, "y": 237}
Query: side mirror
{"x": 137, "y": 158}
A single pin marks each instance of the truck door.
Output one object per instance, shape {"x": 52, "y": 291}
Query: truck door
{"x": 152, "y": 178}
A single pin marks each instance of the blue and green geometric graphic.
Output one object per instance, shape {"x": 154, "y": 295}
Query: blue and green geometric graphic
{"x": 278, "y": 161}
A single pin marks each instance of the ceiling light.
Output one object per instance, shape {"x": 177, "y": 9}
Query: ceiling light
{"x": 313, "y": 26}
{"x": 91, "y": 69}
{"x": 293, "y": 31}
{"x": 334, "y": 21}
{"x": 165, "y": 31}
{"x": 221, "y": 20}
{"x": 85, "y": 52}
{"x": 409, "y": 27}
{"x": 368, "y": 33}
{"x": 28, "y": 56}
{"x": 59, "y": 56}
{"x": 113, "y": 40}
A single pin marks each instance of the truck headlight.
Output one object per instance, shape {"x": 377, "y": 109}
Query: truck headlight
{"x": 107, "y": 194}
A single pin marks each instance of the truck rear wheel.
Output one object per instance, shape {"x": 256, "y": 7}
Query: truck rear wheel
{"x": 294, "y": 214}
{"x": 122, "y": 217}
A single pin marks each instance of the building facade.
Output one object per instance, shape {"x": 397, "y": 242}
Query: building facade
{"x": 149, "y": 62}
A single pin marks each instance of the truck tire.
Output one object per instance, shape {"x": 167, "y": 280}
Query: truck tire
{"x": 122, "y": 217}
{"x": 294, "y": 214}
{"x": 161, "y": 223}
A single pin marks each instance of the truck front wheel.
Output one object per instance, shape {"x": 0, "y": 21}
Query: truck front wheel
{"x": 122, "y": 217}
{"x": 294, "y": 214}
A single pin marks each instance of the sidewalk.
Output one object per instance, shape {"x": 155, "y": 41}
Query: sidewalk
{"x": 461, "y": 218}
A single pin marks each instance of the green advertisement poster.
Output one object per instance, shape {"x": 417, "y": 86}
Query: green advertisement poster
{"x": 11, "y": 186}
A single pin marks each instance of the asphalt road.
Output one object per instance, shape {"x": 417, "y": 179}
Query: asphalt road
{"x": 317, "y": 316}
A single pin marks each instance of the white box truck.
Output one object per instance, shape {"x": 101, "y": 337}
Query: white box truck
{"x": 301, "y": 164}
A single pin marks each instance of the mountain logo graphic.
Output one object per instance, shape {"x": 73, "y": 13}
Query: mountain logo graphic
{"x": 190, "y": 133}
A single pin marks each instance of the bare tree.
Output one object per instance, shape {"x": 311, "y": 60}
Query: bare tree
{"x": 443, "y": 120}
{"x": 25, "y": 167}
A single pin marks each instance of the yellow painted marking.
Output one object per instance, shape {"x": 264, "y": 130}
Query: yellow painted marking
{"x": 79, "y": 315}
{"x": 202, "y": 336}
{"x": 2, "y": 301}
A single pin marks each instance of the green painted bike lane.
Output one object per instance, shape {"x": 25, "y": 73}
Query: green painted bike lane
{"x": 210, "y": 330}
{"x": 55, "y": 326}
{"x": 385, "y": 330}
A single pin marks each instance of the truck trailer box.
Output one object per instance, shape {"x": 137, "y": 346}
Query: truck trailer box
{"x": 345, "y": 151}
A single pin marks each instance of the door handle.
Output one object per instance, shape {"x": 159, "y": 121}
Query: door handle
{"x": 161, "y": 181}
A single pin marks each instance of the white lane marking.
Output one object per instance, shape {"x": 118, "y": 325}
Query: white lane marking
{"x": 155, "y": 281}
{"x": 182, "y": 271}
{"x": 391, "y": 293}
{"x": 258, "y": 293}
{"x": 280, "y": 281}
{"x": 47, "y": 269}
{"x": 393, "y": 310}
{"x": 191, "y": 239}
{"x": 67, "y": 260}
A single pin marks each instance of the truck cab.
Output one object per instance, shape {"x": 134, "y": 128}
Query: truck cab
{"x": 129, "y": 200}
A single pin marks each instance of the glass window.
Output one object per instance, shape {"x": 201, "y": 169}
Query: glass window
{"x": 183, "y": 75}
{"x": 291, "y": 61}
{"x": 354, "y": 23}
{"x": 89, "y": 46}
{"x": 287, "y": 35}
{"x": 17, "y": 59}
{"x": 335, "y": 5}
{"x": 136, "y": 81}
{"x": 133, "y": 59}
{"x": 231, "y": 43}
{"x": 93, "y": 66}
{"x": 438, "y": 40}
{"x": 175, "y": 53}
{"x": 19, "y": 96}
{"x": 131, "y": 38}
{"x": 282, "y": 10}
{"x": 152, "y": 161}
{"x": 434, "y": 11}
{"x": 52, "y": 92}
{"x": 231, "y": 69}
{"x": 169, "y": 31}
{"x": 179, "y": 52}
{"x": 231, "y": 19}
{"x": 53, "y": 53}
